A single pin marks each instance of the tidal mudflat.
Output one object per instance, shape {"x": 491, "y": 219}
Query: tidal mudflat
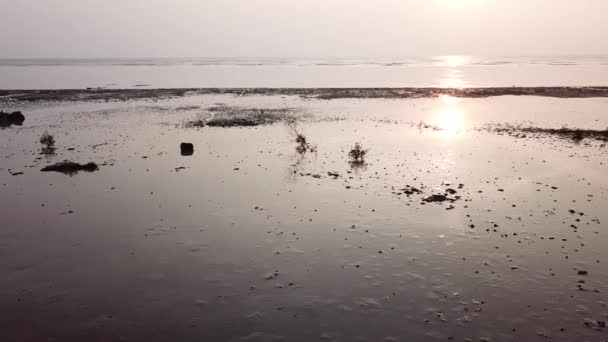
{"x": 246, "y": 216}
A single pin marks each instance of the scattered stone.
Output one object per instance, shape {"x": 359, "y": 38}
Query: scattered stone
{"x": 187, "y": 149}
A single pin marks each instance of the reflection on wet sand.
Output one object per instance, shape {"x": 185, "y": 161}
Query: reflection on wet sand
{"x": 450, "y": 119}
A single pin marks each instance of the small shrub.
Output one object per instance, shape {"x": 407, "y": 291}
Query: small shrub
{"x": 303, "y": 144}
{"x": 48, "y": 143}
{"x": 357, "y": 154}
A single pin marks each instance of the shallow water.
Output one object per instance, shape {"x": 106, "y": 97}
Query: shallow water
{"x": 442, "y": 71}
{"x": 251, "y": 241}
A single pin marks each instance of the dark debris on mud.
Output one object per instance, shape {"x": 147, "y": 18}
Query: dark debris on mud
{"x": 575, "y": 135}
{"x": 70, "y": 168}
{"x": 449, "y": 195}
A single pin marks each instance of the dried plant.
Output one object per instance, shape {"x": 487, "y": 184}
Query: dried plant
{"x": 303, "y": 144}
{"x": 357, "y": 154}
{"x": 48, "y": 143}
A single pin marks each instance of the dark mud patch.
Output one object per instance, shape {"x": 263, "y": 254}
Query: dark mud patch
{"x": 14, "y": 118}
{"x": 320, "y": 93}
{"x": 70, "y": 168}
{"x": 225, "y": 116}
{"x": 575, "y": 135}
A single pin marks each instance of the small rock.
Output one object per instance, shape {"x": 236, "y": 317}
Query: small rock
{"x": 436, "y": 198}
{"x": 187, "y": 149}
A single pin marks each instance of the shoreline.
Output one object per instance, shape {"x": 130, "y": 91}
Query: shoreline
{"x": 100, "y": 94}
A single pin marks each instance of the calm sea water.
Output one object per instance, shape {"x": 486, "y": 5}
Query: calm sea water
{"x": 444, "y": 71}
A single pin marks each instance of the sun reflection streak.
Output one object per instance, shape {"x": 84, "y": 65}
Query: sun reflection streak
{"x": 453, "y": 75}
{"x": 453, "y": 61}
{"x": 450, "y": 120}
{"x": 452, "y": 78}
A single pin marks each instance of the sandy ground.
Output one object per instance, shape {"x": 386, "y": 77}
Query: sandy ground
{"x": 249, "y": 240}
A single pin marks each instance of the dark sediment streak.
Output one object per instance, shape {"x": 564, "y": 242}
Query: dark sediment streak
{"x": 319, "y": 93}
{"x": 573, "y": 134}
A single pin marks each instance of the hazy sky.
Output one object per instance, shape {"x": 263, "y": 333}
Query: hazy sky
{"x": 306, "y": 28}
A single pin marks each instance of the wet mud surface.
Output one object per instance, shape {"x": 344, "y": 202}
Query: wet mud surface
{"x": 443, "y": 230}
